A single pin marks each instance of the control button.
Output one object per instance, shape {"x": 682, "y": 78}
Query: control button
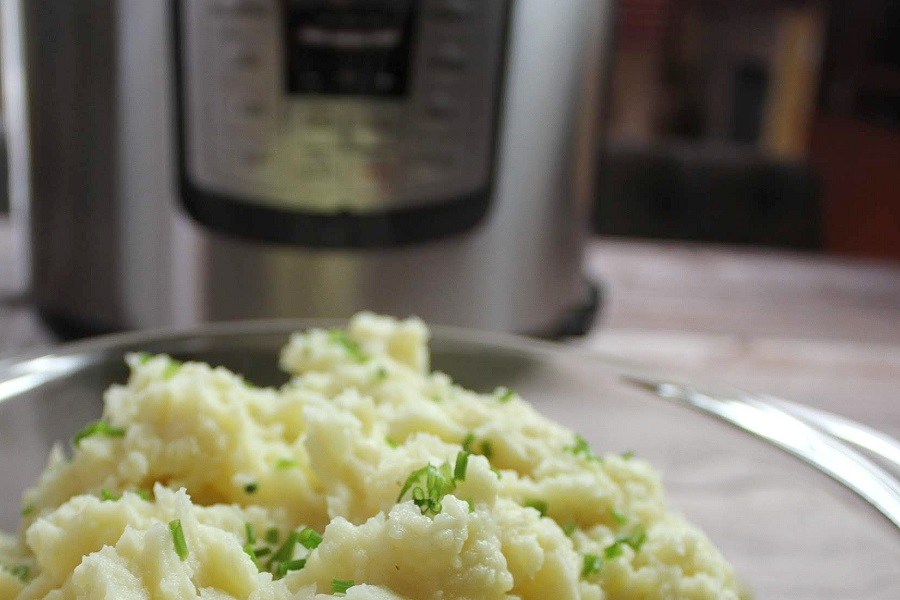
{"x": 240, "y": 7}
{"x": 453, "y": 9}
{"x": 430, "y": 170}
{"x": 314, "y": 165}
{"x": 241, "y": 160}
{"x": 325, "y": 135}
{"x": 450, "y": 56}
{"x": 384, "y": 81}
{"x": 242, "y": 58}
{"x": 365, "y": 138}
{"x": 440, "y": 104}
{"x": 242, "y": 109}
{"x": 311, "y": 81}
{"x": 384, "y": 171}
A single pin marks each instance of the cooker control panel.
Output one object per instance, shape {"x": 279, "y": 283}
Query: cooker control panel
{"x": 350, "y": 107}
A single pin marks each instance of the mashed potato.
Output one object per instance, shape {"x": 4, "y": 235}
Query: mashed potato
{"x": 366, "y": 477}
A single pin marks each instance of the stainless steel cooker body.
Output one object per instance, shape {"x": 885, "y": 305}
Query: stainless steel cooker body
{"x": 183, "y": 161}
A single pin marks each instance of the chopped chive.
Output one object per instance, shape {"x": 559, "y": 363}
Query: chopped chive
{"x": 590, "y": 565}
{"x": 628, "y": 454}
{"x": 286, "y": 463}
{"x": 144, "y": 494}
{"x": 249, "y": 551}
{"x": 272, "y": 535}
{"x": 613, "y": 550}
{"x": 340, "y": 586}
{"x": 487, "y": 449}
{"x": 250, "y": 531}
{"x": 504, "y": 394}
{"x": 471, "y": 504}
{"x": 620, "y": 517}
{"x": 581, "y": 447}
{"x": 290, "y": 565}
{"x": 28, "y": 509}
{"x": 286, "y": 551}
{"x": 468, "y": 441}
{"x": 381, "y": 373}
{"x": 309, "y": 538}
{"x": 22, "y": 572}
{"x": 143, "y": 357}
{"x": 178, "y": 539}
{"x": 459, "y": 470}
{"x": 342, "y": 338}
{"x": 427, "y": 486}
{"x": 538, "y": 505}
{"x": 173, "y": 367}
{"x": 105, "y": 494}
{"x": 97, "y": 428}
{"x": 569, "y": 528}
{"x": 637, "y": 538}
{"x": 251, "y": 487}
{"x": 390, "y": 441}
{"x": 262, "y": 551}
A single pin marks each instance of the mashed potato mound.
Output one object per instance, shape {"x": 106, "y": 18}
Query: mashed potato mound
{"x": 366, "y": 477}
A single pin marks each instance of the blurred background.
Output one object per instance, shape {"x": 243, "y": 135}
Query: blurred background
{"x": 761, "y": 122}
{"x": 723, "y": 157}
{"x": 756, "y": 122}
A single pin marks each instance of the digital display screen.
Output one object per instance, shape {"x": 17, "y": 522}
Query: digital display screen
{"x": 349, "y": 47}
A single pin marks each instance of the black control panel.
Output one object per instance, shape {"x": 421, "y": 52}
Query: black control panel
{"x": 361, "y": 48}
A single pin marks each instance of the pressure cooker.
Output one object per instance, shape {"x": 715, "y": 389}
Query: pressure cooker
{"x": 181, "y": 161}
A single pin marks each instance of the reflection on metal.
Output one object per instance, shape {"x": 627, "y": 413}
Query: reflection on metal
{"x": 20, "y": 378}
{"x": 788, "y": 432}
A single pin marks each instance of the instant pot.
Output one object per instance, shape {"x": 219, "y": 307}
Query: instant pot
{"x": 181, "y": 161}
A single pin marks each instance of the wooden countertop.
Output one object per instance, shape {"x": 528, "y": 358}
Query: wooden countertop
{"x": 822, "y": 331}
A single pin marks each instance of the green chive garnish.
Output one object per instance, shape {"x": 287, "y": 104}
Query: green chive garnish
{"x": 178, "y": 539}
{"x": 286, "y": 463}
{"x": 173, "y": 367}
{"x": 340, "y": 586}
{"x": 613, "y": 550}
{"x": 286, "y": 551}
{"x": 427, "y": 486}
{"x": 487, "y": 449}
{"x": 538, "y": 505}
{"x": 504, "y": 394}
{"x": 22, "y": 572}
{"x": 272, "y": 535}
{"x": 97, "y": 428}
{"x": 459, "y": 469}
{"x": 590, "y": 565}
{"x": 342, "y": 338}
{"x": 582, "y": 448}
{"x": 637, "y": 538}
{"x": 309, "y": 538}
{"x": 290, "y": 565}
{"x": 105, "y": 494}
